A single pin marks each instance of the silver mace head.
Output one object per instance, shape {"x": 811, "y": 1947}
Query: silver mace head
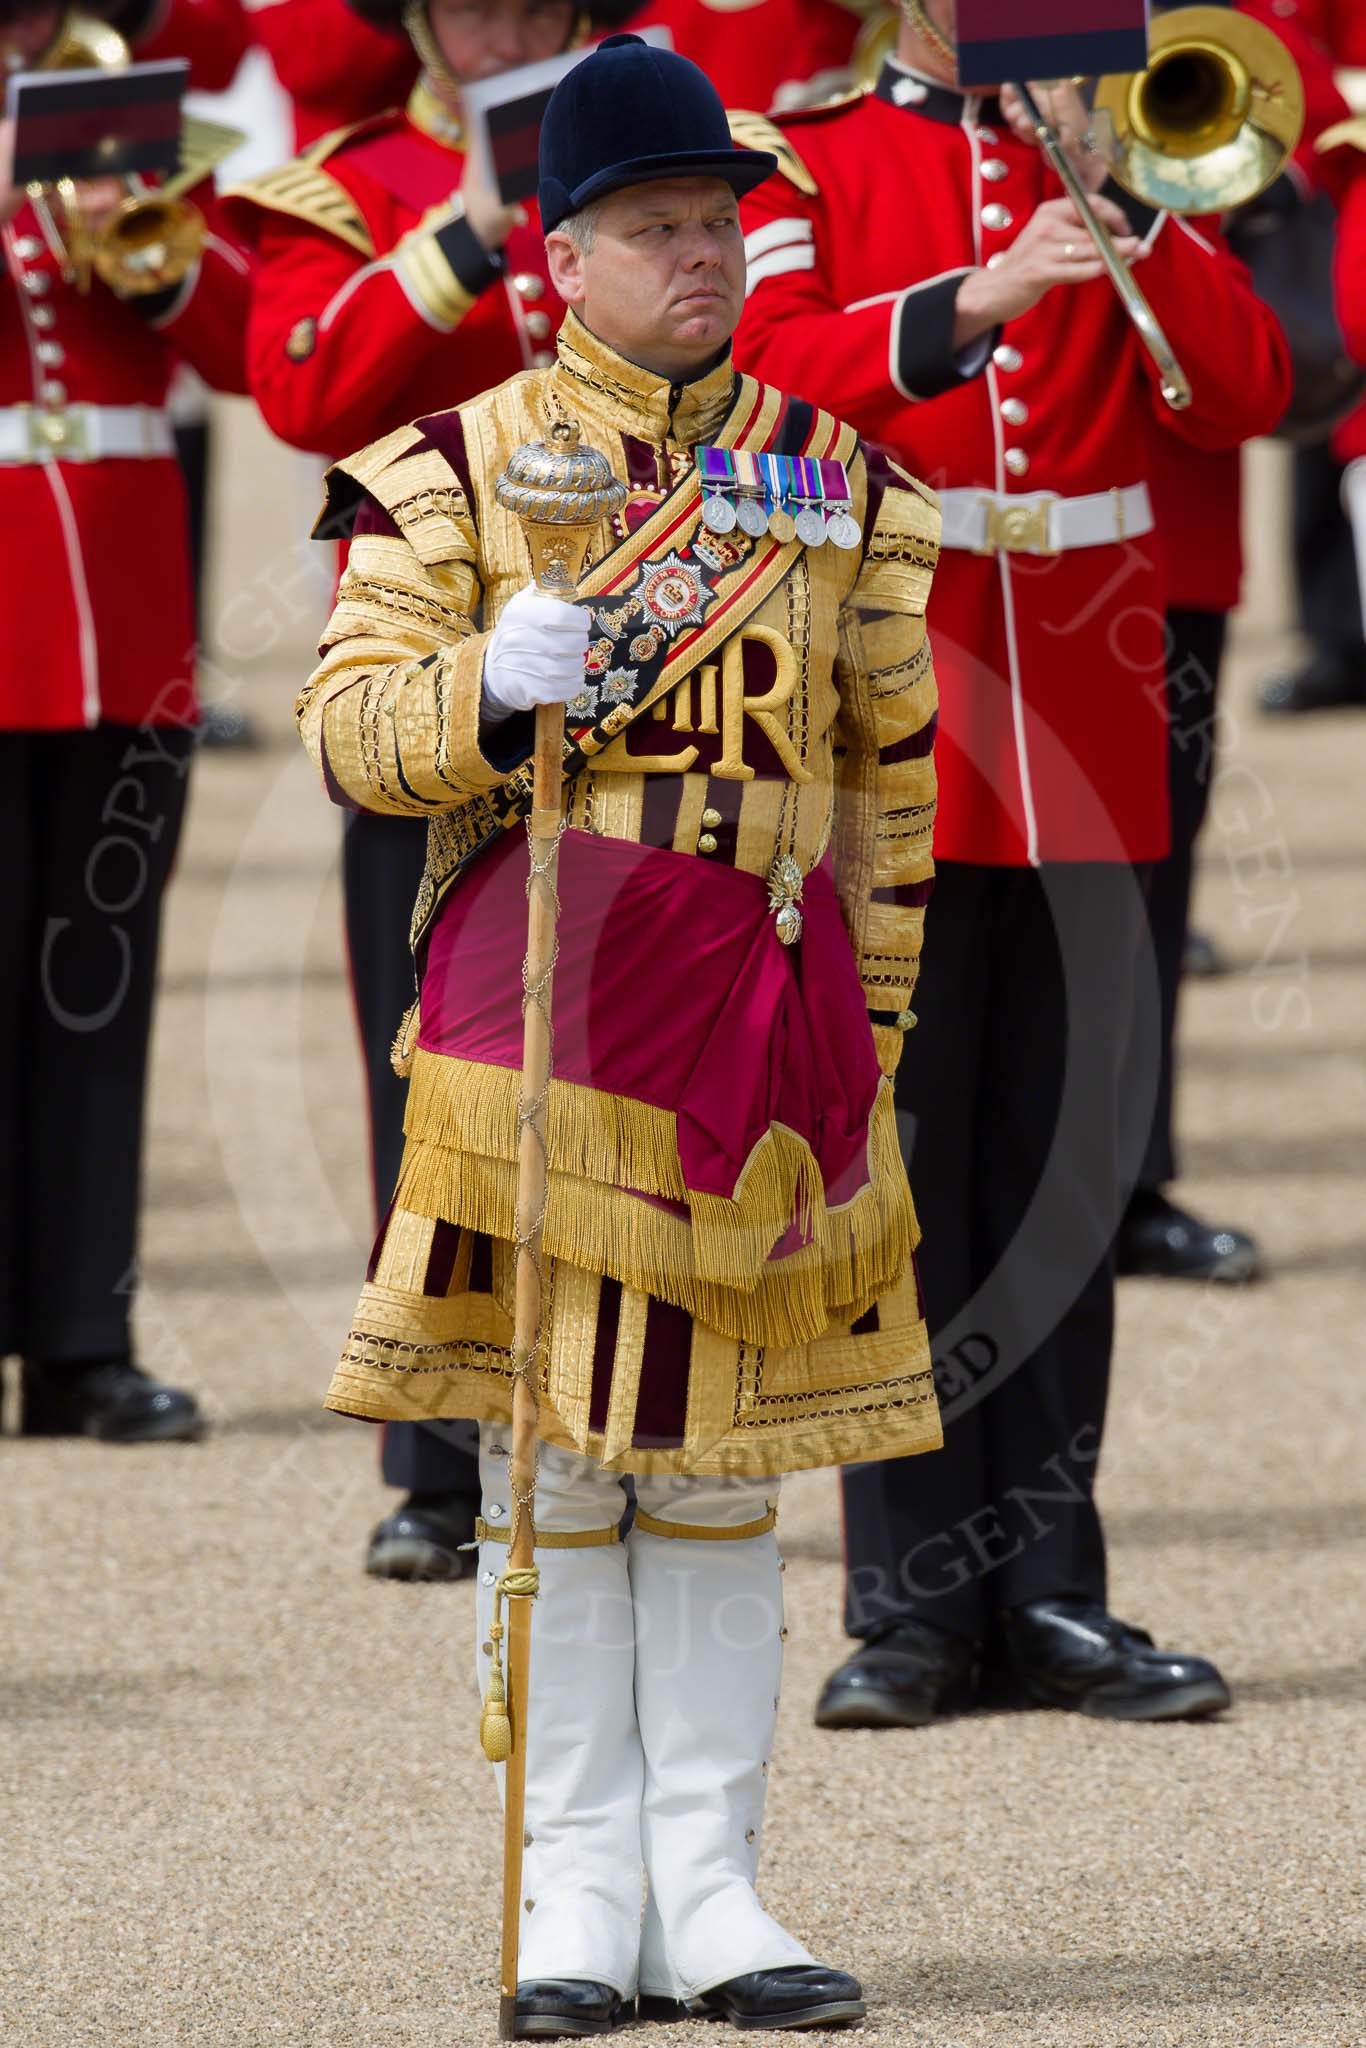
{"x": 560, "y": 490}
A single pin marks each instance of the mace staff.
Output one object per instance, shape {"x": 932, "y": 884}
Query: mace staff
{"x": 560, "y": 491}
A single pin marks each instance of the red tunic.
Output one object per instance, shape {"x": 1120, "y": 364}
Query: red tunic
{"x": 758, "y": 52}
{"x": 1052, "y": 739}
{"x": 335, "y": 67}
{"x": 1352, "y": 275}
{"x": 1339, "y": 24}
{"x": 212, "y": 34}
{"x": 363, "y": 317}
{"x": 98, "y": 620}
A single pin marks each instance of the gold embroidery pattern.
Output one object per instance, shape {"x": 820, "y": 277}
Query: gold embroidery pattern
{"x": 757, "y": 1409}
{"x": 906, "y": 824}
{"x": 409, "y": 511}
{"x": 902, "y": 675}
{"x": 902, "y": 547}
{"x": 425, "y": 607}
{"x": 397, "y": 1354}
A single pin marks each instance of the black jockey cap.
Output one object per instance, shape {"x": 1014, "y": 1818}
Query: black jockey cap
{"x": 630, "y": 113}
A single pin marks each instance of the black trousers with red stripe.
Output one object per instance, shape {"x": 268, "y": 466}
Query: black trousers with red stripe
{"x": 382, "y": 863}
{"x": 89, "y": 825}
{"x": 1195, "y": 652}
{"x": 1010, "y": 1101}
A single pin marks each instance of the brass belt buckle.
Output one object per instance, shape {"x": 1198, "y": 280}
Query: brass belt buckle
{"x": 60, "y": 432}
{"x": 1017, "y": 528}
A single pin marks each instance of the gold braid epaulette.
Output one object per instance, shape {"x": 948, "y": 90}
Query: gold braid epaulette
{"x": 305, "y": 191}
{"x": 417, "y": 487}
{"x": 756, "y": 131}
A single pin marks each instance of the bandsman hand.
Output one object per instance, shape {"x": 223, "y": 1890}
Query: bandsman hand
{"x": 535, "y": 655}
{"x": 1052, "y": 248}
{"x": 484, "y": 210}
{"x": 1065, "y": 111}
{"x": 97, "y": 198}
{"x": 11, "y": 196}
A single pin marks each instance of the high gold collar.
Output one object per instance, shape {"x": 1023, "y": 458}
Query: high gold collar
{"x": 429, "y": 112}
{"x": 636, "y": 401}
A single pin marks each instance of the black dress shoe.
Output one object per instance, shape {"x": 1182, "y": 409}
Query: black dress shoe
{"x": 110, "y": 1399}
{"x": 806, "y": 1995}
{"x": 1166, "y": 1243}
{"x": 551, "y": 2007}
{"x": 902, "y": 1680}
{"x": 226, "y": 729}
{"x": 1327, "y": 682}
{"x": 423, "y": 1538}
{"x": 1202, "y": 959}
{"x": 1072, "y": 1653}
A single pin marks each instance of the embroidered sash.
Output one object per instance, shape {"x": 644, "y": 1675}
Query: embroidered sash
{"x": 661, "y": 601}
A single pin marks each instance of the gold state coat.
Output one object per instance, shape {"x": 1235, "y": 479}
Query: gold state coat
{"x": 815, "y": 662}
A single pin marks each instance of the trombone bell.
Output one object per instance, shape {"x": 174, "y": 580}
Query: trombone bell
{"x": 1212, "y": 120}
{"x": 147, "y": 244}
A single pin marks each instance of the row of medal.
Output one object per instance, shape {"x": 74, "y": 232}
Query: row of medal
{"x": 788, "y": 496}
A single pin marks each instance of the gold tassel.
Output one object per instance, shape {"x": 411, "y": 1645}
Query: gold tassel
{"x": 495, "y": 1729}
{"x": 405, "y": 1042}
{"x": 714, "y": 1264}
{"x": 468, "y": 1106}
{"x": 495, "y": 1726}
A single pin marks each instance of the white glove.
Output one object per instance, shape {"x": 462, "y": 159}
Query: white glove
{"x": 536, "y": 653}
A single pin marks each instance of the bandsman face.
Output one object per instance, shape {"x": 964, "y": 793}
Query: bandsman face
{"x": 479, "y": 38}
{"x": 25, "y": 33}
{"x": 664, "y": 279}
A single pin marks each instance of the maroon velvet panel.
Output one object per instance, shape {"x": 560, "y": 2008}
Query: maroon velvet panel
{"x": 662, "y": 1400}
{"x": 672, "y": 988}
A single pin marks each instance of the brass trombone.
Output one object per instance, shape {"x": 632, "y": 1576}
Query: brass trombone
{"x": 1208, "y": 125}
{"x": 153, "y": 237}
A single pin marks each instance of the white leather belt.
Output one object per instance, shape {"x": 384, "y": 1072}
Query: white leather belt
{"x": 1038, "y": 523}
{"x": 83, "y": 433}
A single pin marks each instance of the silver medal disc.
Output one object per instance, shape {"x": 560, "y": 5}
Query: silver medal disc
{"x": 718, "y": 514}
{"x": 843, "y": 529}
{"x": 810, "y": 527}
{"x": 752, "y": 517}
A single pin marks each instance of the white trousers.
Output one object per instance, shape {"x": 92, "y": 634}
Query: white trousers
{"x": 1354, "y": 505}
{"x": 655, "y": 1669}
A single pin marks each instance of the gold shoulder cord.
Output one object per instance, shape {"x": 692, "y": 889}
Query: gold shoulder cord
{"x": 914, "y": 11}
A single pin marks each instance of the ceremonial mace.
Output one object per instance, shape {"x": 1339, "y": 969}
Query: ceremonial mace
{"x": 560, "y": 491}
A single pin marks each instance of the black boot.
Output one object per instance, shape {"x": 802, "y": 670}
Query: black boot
{"x": 550, "y": 2008}
{"x": 423, "y": 1539}
{"x": 1072, "y": 1653}
{"x": 225, "y": 728}
{"x": 1202, "y": 959}
{"x": 1166, "y": 1243}
{"x": 1329, "y": 681}
{"x": 110, "y": 1398}
{"x": 803, "y": 1995}
{"x": 903, "y": 1679}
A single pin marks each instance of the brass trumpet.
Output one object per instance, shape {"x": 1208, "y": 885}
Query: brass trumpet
{"x": 153, "y": 237}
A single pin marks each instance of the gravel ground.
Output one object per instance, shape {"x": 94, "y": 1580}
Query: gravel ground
{"x": 243, "y": 1802}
